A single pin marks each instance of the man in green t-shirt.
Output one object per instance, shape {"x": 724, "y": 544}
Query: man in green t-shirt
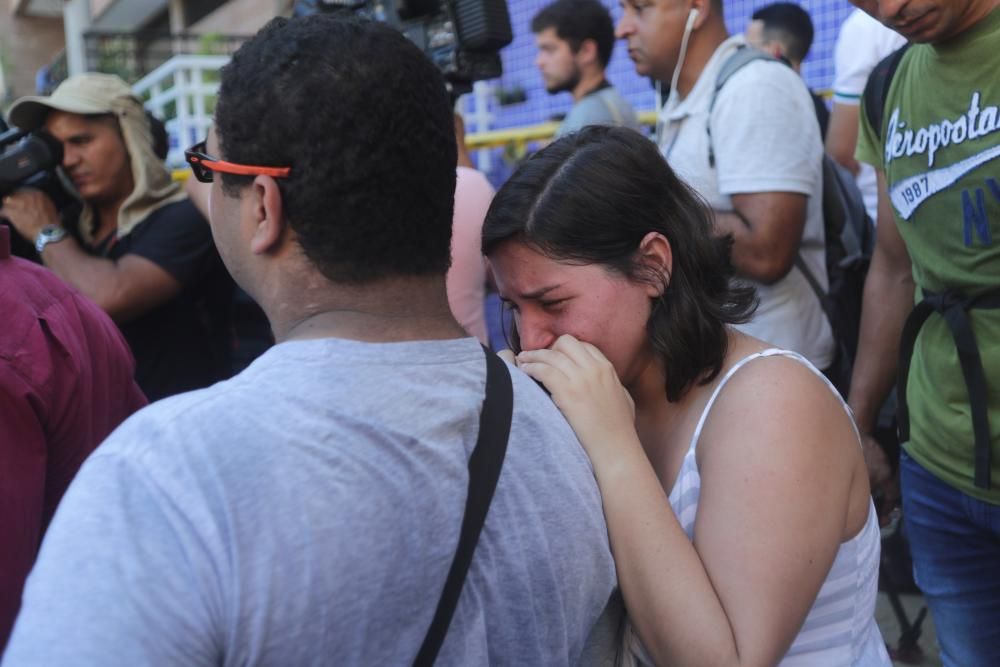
{"x": 937, "y": 154}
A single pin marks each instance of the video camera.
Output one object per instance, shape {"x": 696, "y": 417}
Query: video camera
{"x": 32, "y": 160}
{"x": 27, "y": 159}
{"x": 462, "y": 38}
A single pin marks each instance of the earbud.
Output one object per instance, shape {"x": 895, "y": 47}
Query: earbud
{"x": 692, "y": 17}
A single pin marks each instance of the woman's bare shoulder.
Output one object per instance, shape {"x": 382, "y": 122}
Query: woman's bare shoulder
{"x": 778, "y": 404}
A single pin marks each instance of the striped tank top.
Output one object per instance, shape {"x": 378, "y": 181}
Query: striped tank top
{"x": 840, "y": 628}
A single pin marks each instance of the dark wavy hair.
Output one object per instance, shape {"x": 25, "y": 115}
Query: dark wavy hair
{"x": 363, "y": 119}
{"x": 591, "y": 197}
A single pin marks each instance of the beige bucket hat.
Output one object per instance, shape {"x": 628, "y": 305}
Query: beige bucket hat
{"x": 96, "y": 93}
{"x": 90, "y": 93}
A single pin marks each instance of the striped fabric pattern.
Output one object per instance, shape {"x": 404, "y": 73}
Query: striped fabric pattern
{"x": 840, "y": 628}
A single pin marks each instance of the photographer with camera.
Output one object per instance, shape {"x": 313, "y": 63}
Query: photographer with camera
{"x": 139, "y": 249}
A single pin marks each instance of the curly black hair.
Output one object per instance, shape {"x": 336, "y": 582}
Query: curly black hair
{"x": 363, "y": 119}
{"x": 591, "y": 197}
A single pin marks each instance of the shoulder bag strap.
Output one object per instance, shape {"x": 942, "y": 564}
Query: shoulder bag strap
{"x": 484, "y": 471}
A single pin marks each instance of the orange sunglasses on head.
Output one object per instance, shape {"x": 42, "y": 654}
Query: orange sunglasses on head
{"x": 203, "y": 165}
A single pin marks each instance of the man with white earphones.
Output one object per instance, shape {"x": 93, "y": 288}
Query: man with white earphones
{"x": 751, "y": 148}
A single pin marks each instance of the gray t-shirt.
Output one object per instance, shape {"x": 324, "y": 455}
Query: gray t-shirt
{"x": 306, "y": 512}
{"x": 602, "y": 107}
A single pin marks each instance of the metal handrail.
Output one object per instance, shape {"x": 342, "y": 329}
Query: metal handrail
{"x": 177, "y": 92}
{"x": 521, "y": 136}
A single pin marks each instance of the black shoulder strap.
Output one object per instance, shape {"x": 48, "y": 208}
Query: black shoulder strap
{"x": 877, "y": 89}
{"x": 484, "y": 471}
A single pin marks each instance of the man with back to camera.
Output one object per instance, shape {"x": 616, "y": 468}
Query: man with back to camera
{"x": 760, "y": 169}
{"x": 575, "y": 39}
{"x": 785, "y": 30}
{"x": 936, "y": 153}
{"x": 140, "y": 250}
{"x": 306, "y": 511}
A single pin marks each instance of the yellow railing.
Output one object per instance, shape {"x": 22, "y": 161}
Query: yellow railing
{"x": 521, "y": 136}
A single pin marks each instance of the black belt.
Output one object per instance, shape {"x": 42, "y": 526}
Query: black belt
{"x": 954, "y": 307}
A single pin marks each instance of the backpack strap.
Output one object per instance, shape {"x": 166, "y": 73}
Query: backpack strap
{"x": 877, "y": 89}
{"x": 821, "y": 294}
{"x": 954, "y": 307}
{"x": 744, "y": 55}
{"x": 484, "y": 471}
{"x": 849, "y": 235}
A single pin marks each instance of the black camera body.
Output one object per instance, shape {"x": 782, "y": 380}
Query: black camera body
{"x": 27, "y": 159}
{"x": 462, "y": 38}
{"x": 32, "y": 160}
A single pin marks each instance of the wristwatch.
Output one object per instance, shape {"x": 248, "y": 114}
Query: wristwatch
{"x": 49, "y": 234}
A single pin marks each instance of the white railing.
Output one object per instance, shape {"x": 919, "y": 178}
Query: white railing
{"x": 189, "y": 84}
{"x": 482, "y": 93}
{"x": 182, "y": 93}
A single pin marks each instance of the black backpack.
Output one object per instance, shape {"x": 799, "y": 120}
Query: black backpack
{"x": 850, "y": 238}
{"x": 877, "y": 89}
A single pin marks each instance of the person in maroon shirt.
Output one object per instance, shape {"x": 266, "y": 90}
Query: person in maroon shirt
{"x": 65, "y": 384}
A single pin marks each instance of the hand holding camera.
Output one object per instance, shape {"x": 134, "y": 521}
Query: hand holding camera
{"x": 33, "y": 192}
{"x": 30, "y": 211}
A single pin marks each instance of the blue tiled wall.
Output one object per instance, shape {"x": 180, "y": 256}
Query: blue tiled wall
{"x": 519, "y": 67}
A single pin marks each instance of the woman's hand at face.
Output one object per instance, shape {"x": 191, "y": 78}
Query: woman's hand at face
{"x": 585, "y": 387}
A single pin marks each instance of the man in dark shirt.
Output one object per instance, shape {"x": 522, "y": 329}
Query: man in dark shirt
{"x": 65, "y": 384}
{"x": 140, "y": 250}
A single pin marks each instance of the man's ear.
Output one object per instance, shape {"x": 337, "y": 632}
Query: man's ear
{"x": 268, "y": 215}
{"x": 705, "y": 9}
{"x": 657, "y": 260}
{"x": 587, "y": 53}
{"x": 776, "y": 50}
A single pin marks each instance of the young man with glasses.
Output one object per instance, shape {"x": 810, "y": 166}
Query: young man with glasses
{"x": 140, "y": 250}
{"x": 306, "y": 511}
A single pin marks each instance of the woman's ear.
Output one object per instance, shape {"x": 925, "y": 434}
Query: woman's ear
{"x": 268, "y": 215}
{"x": 657, "y": 259}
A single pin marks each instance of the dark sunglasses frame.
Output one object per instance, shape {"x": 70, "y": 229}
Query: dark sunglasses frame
{"x": 204, "y": 165}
